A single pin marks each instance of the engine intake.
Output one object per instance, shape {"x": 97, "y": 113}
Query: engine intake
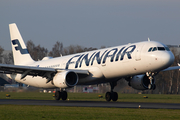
{"x": 65, "y": 79}
{"x": 140, "y": 82}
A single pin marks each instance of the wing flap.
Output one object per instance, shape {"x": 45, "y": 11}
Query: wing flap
{"x": 22, "y": 69}
{"x": 27, "y": 70}
{"x": 86, "y": 72}
{"x": 36, "y": 71}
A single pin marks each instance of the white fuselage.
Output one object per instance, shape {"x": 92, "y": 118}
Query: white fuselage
{"x": 108, "y": 64}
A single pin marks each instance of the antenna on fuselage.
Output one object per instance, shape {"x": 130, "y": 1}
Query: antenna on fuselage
{"x": 149, "y": 39}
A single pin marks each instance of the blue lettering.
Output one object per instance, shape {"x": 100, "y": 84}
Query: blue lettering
{"x": 96, "y": 55}
{"x": 112, "y": 56}
{"x": 118, "y": 54}
{"x": 98, "y": 58}
{"x": 128, "y": 52}
{"x": 77, "y": 62}
{"x": 86, "y": 59}
{"x": 69, "y": 62}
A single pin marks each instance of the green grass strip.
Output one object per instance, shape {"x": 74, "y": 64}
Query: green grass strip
{"x": 23, "y": 112}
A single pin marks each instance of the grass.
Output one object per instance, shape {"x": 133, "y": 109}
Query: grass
{"x": 16, "y": 112}
{"x": 155, "y": 98}
{"x": 25, "y": 112}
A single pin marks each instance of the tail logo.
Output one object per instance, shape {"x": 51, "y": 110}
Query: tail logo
{"x": 19, "y": 47}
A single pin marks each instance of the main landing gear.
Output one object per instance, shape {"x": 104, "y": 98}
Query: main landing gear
{"x": 112, "y": 95}
{"x": 60, "y": 95}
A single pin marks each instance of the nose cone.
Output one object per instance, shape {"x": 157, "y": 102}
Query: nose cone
{"x": 167, "y": 58}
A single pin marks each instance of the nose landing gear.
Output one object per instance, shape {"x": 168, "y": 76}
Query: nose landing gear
{"x": 151, "y": 85}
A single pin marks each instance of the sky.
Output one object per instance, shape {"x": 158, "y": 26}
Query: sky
{"x": 91, "y": 23}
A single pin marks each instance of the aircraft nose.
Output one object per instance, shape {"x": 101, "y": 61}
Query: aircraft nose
{"x": 167, "y": 58}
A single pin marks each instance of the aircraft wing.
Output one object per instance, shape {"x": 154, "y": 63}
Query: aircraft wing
{"x": 35, "y": 71}
{"x": 172, "y": 68}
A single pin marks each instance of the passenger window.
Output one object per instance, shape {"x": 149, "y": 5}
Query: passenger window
{"x": 150, "y": 49}
{"x": 154, "y": 49}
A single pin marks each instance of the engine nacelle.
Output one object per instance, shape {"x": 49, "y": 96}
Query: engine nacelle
{"x": 65, "y": 79}
{"x": 140, "y": 82}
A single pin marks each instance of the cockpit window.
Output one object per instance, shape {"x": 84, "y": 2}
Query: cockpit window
{"x": 167, "y": 48}
{"x": 161, "y": 48}
{"x": 150, "y": 49}
{"x": 154, "y": 49}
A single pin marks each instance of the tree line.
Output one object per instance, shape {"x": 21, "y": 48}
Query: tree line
{"x": 166, "y": 82}
{"x": 6, "y": 58}
{"x": 38, "y": 52}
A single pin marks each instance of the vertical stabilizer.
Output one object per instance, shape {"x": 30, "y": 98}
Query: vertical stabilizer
{"x": 20, "y": 53}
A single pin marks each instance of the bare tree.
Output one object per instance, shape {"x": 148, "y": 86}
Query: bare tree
{"x": 176, "y": 77}
{"x": 90, "y": 49}
{"x": 41, "y": 52}
{"x": 70, "y": 50}
{"x": 57, "y": 50}
{"x": 103, "y": 46}
{"x": 171, "y": 77}
{"x": 36, "y": 52}
{"x": 1, "y": 55}
{"x": 8, "y": 58}
{"x": 31, "y": 47}
{"x": 79, "y": 49}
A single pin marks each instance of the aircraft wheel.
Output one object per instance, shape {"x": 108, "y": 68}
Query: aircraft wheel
{"x": 57, "y": 95}
{"x": 114, "y": 96}
{"x": 108, "y": 96}
{"x": 150, "y": 86}
{"x": 64, "y": 95}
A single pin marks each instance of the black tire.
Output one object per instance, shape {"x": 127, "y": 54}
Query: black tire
{"x": 114, "y": 96}
{"x": 64, "y": 95}
{"x": 108, "y": 96}
{"x": 57, "y": 95}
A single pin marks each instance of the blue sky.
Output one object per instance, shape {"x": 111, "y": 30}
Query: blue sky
{"x": 91, "y": 23}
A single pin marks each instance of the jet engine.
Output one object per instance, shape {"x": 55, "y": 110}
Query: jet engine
{"x": 65, "y": 79}
{"x": 140, "y": 82}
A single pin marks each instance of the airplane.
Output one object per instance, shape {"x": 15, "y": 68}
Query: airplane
{"x": 137, "y": 63}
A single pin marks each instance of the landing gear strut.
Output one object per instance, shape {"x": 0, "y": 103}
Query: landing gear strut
{"x": 151, "y": 85}
{"x": 60, "y": 95}
{"x": 112, "y": 95}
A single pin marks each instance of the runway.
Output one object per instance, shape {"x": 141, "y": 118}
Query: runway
{"x": 91, "y": 104}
